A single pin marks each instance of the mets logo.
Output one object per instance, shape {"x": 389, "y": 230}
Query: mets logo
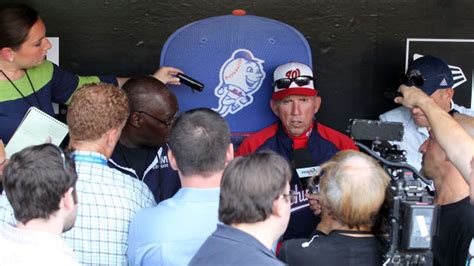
{"x": 240, "y": 77}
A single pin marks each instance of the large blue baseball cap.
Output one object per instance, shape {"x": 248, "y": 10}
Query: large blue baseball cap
{"x": 434, "y": 72}
{"x": 234, "y": 56}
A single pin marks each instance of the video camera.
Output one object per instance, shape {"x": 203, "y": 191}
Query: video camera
{"x": 413, "y": 215}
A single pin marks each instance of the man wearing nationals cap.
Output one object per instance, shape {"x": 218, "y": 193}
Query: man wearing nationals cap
{"x": 433, "y": 76}
{"x": 298, "y": 137}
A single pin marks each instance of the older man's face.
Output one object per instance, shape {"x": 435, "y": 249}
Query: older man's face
{"x": 296, "y": 112}
{"x": 441, "y": 97}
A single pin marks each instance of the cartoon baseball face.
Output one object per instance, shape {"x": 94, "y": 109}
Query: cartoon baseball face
{"x": 253, "y": 75}
{"x": 240, "y": 76}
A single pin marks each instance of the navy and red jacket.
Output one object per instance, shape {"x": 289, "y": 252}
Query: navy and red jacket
{"x": 323, "y": 143}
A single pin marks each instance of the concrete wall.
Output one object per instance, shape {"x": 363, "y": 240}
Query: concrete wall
{"x": 358, "y": 46}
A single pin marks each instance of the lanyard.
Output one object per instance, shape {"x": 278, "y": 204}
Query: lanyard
{"x": 89, "y": 159}
{"x": 22, "y": 95}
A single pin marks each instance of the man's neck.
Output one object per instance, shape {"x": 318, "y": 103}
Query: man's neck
{"x": 41, "y": 225}
{"x": 450, "y": 188}
{"x": 300, "y": 141}
{"x": 212, "y": 180}
{"x": 92, "y": 146}
{"x": 261, "y": 231}
{"x": 329, "y": 224}
{"x": 126, "y": 138}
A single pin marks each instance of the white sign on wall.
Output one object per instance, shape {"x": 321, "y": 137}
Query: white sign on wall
{"x": 53, "y": 56}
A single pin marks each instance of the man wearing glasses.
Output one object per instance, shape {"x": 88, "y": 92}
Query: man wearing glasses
{"x": 433, "y": 77}
{"x": 254, "y": 209}
{"x": 142, "y": 150}
{"x": 295, "y": 101}
{"x": 40, "y": 189}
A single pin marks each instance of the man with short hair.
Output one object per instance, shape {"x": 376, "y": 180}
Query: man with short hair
{"x": 254, "y": 208}
{"x": 433, "y": 76}
{"x": 142, "y": 150}
{"x": 295, "y": 101}
{"x": 457, "y": 144}
{"x": 456, "y": 222}
{"x": 353, "y": 188}
{"x": 40, "y": 185}
{"x": 171, "y": 233}
{"x": 109, "y": 199}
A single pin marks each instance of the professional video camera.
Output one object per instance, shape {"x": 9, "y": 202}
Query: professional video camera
{"x": 413, "y": 215}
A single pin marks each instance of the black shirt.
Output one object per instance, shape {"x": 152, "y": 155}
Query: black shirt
{"x": 455, "y": 232}
{"x": 333, "y": 249}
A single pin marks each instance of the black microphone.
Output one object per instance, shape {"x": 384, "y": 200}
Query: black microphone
{"x": 190, "y": 82}
{"x": 302, "y": 162}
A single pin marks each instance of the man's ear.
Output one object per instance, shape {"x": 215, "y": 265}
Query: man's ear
{"x": 7, "y": 54}
{"x": 278, "y": 206}
{"x": 135, "y": 119}
{"x": 229, "y": 154}
{"x": 172, "y": 160}
{"x": 67, "y": 202}
{"x": 112, "y": 136}
{"x": 449, "y": 93}
{"x": 317, "y": 101}
{"x": 274, "y": 106}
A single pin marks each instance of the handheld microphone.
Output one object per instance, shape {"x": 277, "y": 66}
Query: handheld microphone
{"x": 304, "y": 166}
{"x": 190, "y": 82}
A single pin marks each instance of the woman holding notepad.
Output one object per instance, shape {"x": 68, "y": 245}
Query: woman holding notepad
{"x": 27, "y": 79}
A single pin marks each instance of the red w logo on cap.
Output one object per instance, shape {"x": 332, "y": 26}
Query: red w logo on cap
{"x": 293, "y": 73}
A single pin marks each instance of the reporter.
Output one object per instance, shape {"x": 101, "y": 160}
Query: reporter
{"x": 27, "y": 79}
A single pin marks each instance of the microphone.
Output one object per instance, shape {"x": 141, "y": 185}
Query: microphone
{"x": 303, "y": 164}
{"x": 190, "y": 82}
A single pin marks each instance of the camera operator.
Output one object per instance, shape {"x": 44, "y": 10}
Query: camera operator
{"x": 447, "y": 154}
{"x": 353, "y": 188}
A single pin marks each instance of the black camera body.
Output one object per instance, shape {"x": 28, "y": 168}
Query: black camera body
{"x": 413, "y": 214}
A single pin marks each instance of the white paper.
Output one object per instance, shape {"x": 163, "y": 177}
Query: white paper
{"x": 36, "y": 128}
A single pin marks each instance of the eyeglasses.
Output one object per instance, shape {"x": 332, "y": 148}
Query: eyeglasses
{"x": 413, "y": 78}
{"x": 286, "y": 82}
{"x": 61, "y": 154}
{"x": 292, "y": 195}
{"x": 167, "y": 122}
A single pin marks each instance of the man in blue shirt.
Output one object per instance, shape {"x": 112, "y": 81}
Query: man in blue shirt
{"x": 171, "y": 233}
{"x": 255, "y": 208}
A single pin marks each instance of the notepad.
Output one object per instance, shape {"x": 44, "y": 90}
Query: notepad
{"x": 36, "y": 128}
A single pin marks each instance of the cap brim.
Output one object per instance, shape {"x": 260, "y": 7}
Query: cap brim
{"x": 294, "y": 91}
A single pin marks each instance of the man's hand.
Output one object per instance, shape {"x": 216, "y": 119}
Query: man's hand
{"x": 412, "y": 96}
{"x": 314, "y": 204}
{"x": 167, "y": 75}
